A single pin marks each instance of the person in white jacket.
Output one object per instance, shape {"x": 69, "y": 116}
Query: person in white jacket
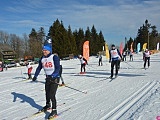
{"x": 115, "y": 58}
{"x": 146, "y": 57}
{"x": 83, "y": 63}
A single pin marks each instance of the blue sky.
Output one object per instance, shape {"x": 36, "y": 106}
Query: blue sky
{"x": 116, "y": 19}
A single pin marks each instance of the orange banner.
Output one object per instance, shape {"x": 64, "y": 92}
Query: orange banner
{"x": 131, "y": 49}
{"x": 121, "y": 48}
{"x": 86, "y": 50}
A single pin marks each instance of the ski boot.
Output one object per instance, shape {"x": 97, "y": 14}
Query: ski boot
{"x": 53, "y": 114}
{"x": 63, "y": 84}
{"x": 111, "y": 77}
{"x": 29, "y": 77}
{"x": 45, "y": 108}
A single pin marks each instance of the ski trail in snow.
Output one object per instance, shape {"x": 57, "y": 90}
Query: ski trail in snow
{"x": 117, "y": 112}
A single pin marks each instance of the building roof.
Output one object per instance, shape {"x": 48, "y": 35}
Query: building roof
{"x": 6, "y": 50}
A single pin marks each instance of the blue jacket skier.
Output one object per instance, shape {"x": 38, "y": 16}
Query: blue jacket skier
{"x": 51, "y": 65}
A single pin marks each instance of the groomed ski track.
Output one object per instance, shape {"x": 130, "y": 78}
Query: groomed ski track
{"x": 133, "y": 95}
{"x": 122, "y": 108}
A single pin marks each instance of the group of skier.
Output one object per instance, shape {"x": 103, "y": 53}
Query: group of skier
{"x": 115, "y": 58}
{"x": 53, "y": 71}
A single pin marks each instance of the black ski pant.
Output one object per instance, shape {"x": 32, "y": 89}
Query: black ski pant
{"x": 145, "y": 61}
{"x": 83, "y": 67}
{"x": 131, "y": 57}
{"x": 124, "y": 57}
{"x": 100, "y": 61}
{"x": 50, "y": 91}
{"x": 116, "y": 64}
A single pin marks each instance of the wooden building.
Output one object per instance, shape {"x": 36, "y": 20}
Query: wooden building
{"x": 6, "y": 52}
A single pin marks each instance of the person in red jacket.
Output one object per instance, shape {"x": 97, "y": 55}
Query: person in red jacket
{"x": 29, "y": 67}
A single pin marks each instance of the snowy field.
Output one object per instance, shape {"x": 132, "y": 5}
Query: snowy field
{"x": 134, "y": 95}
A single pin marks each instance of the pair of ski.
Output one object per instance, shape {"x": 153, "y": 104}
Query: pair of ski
{"x": 111, "y": 78}
{"x": 81, "y": 73}
{"x": 35, "y": 114}
{"x": 52, "y": 118}
{"x": 40, "y": 112}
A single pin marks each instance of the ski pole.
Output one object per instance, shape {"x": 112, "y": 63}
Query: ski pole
{"x": 129, "y": 65}
{"x": 22, "y": 74}
{"x": 91, "y": 66}
{"x": 74, "y": 89}
{"x": 88, "y": 67}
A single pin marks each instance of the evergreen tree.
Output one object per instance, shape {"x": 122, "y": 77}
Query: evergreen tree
{"x": 32, "y": 42}
{"x": 101, "y": 41}
{"x": 80, "y": 39}
{"x": 129, "y": 43}
{"x": 145, "y": 36}
{"x": 94, "y": 41}
{"x": 63, "y": 41}
{"x": 153, "y": 38}
{"x": 72, "y": 41}
{"x": 77, "y": 41}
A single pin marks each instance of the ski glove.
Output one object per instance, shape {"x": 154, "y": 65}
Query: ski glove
{"x": 34, "y": 79}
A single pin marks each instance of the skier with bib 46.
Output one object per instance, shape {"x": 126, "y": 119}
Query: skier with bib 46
{"x": 51, "y": 65}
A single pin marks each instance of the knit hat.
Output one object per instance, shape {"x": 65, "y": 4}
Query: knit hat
{"x": 113, "y": 45}
{"x": 47, "y": 47}
{"x": 80, "y": 56}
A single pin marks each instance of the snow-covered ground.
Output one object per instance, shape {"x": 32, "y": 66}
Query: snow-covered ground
{"x": 134, "y": 95}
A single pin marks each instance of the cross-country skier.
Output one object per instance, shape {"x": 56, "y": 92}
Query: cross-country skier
{"x": 83, "y": 63}
{"x": 29, "y": 69}
{"x": 146, "y": 57}
{"x": 124, "y": 55}
{"x": 115, "y": 57}
{"x": 51, "y": 65}
{"x": 131, "y": 55}
{"x": 100, "y": 59}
